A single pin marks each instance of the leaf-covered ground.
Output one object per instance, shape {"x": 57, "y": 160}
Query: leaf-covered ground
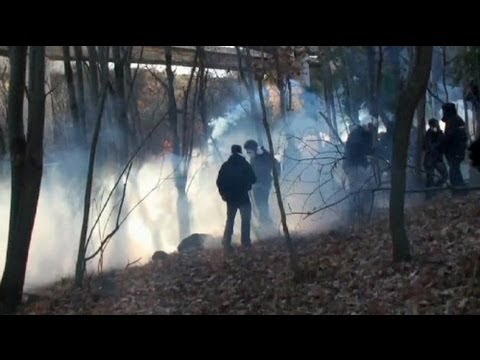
{"x": 347, "y": 272}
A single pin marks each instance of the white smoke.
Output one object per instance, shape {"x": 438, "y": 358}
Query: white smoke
{"x": 153, "y": 225}
{"x": 220, "y": 126}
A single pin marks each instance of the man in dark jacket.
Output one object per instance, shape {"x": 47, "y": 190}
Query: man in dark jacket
{"x": 234, "y": 180}
{"x": 434, "y": 149}
{"x": 455, "y": 142}
{"x": 262, "y": 163}
{"x": 359, "y": 172}
{"x": 358, "y": 147}
{"x": 475, "y": 154}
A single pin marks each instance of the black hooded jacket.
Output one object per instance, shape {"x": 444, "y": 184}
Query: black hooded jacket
{"x": 262, "y": 165}
{"x": 455, "y": 142}
{"x": 434, "y": 146}
{"x": 358, "y": 147}
{"x": 235, "y": 179}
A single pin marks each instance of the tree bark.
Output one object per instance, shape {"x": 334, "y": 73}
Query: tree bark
{"x": 409, "y": 98}
{"x": 378, "y": 84}
{"x": 80, "y": 265}
{"x": 201, "y": 86}
{"x": 183, "y": 213}
{"x": 347, "y": 85}
{"x": 93, "y": 69}
{"x": 81, "y": 87}
{"x": 467, "y": 120}
{"x": 248, "y": 81}
{"x": 290, "y": 245}
{"x": 444, "y": 70}
{"x": 421, "y": 124}
{"x": 120, "y": 104}
{"x": 78, "y": 131}
{"x": 27, "y": 167}
{"x": 3, "y": 147}
{"x": 131, "y": 98}
{"x": 371, "y": 80}
{"x": 328, "y": 96}
{"x": 10, "y": 294}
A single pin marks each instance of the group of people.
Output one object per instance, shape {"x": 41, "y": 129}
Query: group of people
{"x": 236, "y": 178}
{"x": 367, "y": 154}
{"x": 437, "y": 145}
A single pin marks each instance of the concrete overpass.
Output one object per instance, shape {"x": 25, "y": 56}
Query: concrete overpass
{"x": 216, "y": 57}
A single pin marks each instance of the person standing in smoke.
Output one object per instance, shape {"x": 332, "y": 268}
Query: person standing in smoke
{"x": 358, "y": 148}
{"x": 455, "y": 143}
{"x": 434, "y": 149}
{"x": 262, "y": 163}
{"x": 234, "y": 181}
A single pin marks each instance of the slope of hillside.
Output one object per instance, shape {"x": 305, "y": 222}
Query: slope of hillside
{"x": 348, "y": 271}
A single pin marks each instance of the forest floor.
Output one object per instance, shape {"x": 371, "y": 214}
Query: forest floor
{"x": 348, "y": 271}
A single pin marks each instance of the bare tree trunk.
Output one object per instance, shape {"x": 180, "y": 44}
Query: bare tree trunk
{"x": 349, "y": 108}
{"x": 81, "y": 88}
{"x": 290, "y": 95}
{"x": 120, "y": 104}
{"x": 172, "y": 103}
{"x": 371, "y": 80}
{"x": 94, "y": 96}
{"x": 420, "y": 137}
{"x": 290, "y": 245}
{"x": 80, "y": 265}
{"x": 188, "y": 127}
{"x": 444, "y": 70}
{"x": 131, "y": 99}
{"x": 409, "y": 98}
{"x": 187, "y": 131}
{"x": 280, "y": 85}
{"x": 10, "y": 294}
{"x": 467, "y": 120}
{"x": 93, "y": 62}
{"x": 27, "y": 167}
{"x": 476, "y": 120}
{"x": 78, "y": 129}
{"x": 374, "y": 80}
{"x": 200, "y": 88}
{"x": 249, "y": 83}
{"x": 3, "y": 146}
{"x": 476, "y": 106}
{"x": 328, "y": 95}
{"x": 378, "y": 84}
{"x": 476, "y": 112}
{"x": 183, "y": 212}
{"x": 340, "y": 109}
{"x": 329, "y": 99}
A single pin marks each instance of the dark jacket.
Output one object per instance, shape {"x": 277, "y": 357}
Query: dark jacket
{"x": 358, "y": 146}
{"x": 455, "y": 136}
{"x": 235, "y": 179}
{"x": 434, "y": 146}
{"x": 475, "y": 153}
{"x": 263, "y": 167}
